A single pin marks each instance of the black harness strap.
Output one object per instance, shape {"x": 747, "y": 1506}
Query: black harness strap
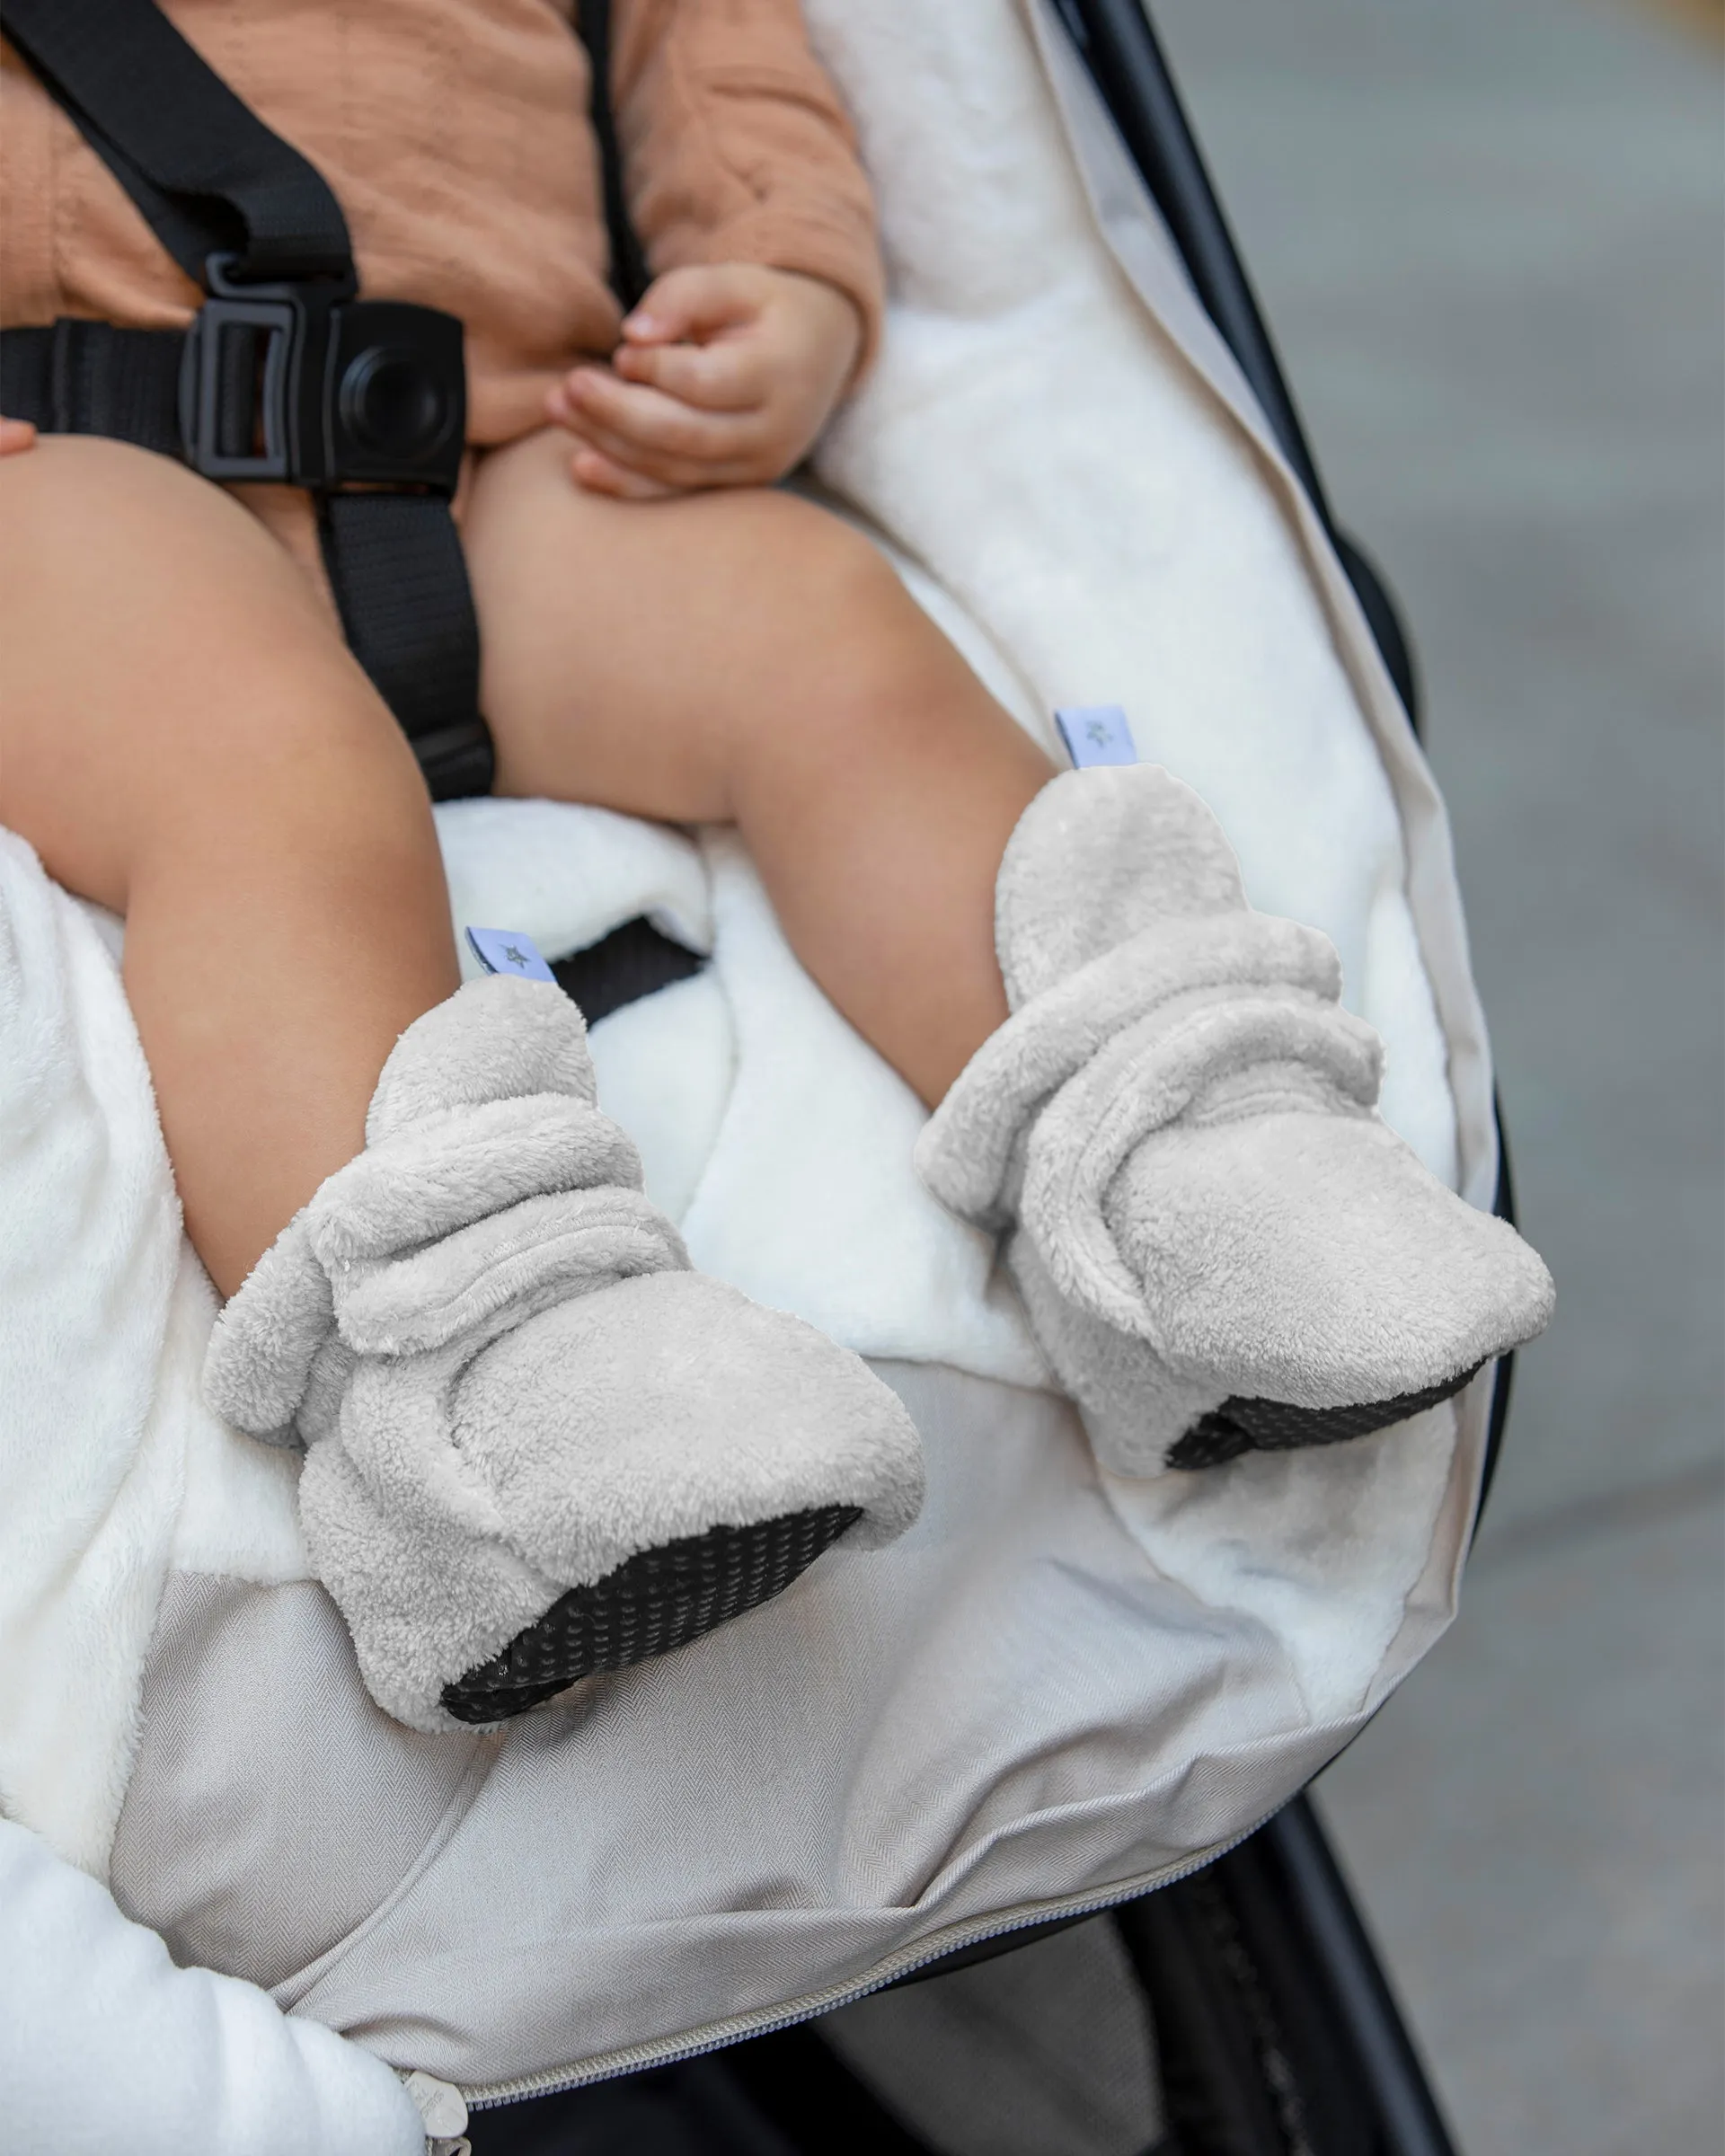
{"x": 394, "y": 563}
{"x": 630, "y": 276}
{"x": 208, "y": 174}
{"x": 89, "y": 378}
{"x": 285, "y": 375}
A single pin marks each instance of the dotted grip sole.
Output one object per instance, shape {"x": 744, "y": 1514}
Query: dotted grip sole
{"x": 1274, "y": 1426}
{"x": 657, "y": 1600}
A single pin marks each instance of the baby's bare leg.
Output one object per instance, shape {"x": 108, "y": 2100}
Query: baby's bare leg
{"x": 185, "y": 739}
{"x": 744, "y": 656}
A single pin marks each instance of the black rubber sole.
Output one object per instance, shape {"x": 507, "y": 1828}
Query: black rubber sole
{"x": 1274, "y": 1426}
{"x": 660, "y": 1599}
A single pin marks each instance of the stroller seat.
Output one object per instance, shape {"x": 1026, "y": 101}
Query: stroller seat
{"x": 1061, "y": 1687}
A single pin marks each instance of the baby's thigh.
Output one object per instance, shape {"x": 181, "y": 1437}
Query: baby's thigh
{"x": 629, "y": 646}
{"x": 156, "y": 645}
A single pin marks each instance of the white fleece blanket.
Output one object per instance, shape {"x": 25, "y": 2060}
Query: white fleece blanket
{"x": 1067, "y": 487}
{"x": 106, "y": 2046}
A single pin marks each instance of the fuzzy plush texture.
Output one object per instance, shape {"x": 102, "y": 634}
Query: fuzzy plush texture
{"x": 94, "y": 1286}
{"x": 567, "y": 874}
{"x": 507, "y": 1378}
{"x": 1070, "y": 451}
{"x": 809, "y": 1201}
{"x": 1177, "y": 1125}
{"x": 105, "y": 2045}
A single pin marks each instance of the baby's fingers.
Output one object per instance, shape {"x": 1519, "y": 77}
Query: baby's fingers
{"x": 601, "y": 474}
{"x": 634, "y": 416}
{"x": 694, "y": 303}
{"x": 682, "y": 474}
{"x": 713, "y": 377}
{"x": 15, "y": 437}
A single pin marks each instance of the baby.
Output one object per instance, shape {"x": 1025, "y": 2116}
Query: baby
{"x": 538, "y": 1443}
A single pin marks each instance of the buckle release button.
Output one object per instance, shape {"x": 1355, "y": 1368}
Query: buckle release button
{"x": 393, "y": 406}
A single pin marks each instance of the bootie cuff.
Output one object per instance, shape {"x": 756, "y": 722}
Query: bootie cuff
{"x": 965, "y": 1152}
{"x": 461, "y": 1165}
{"x": 1152, "y": 1075}
{"x": 480, "y": 1280}
{"x": 259, "y": 1357}
{"x": 484, "y": 1102}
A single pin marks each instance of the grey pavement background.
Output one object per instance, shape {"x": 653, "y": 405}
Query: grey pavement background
{"x": 1490, "y": 238}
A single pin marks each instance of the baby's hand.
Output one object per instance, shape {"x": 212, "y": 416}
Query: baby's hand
{"x": 724, "y": 378}
{"x": 15, "y": 436}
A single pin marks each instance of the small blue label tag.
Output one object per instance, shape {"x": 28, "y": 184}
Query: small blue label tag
{"x": 507, "y": 950}
{"x": 1096, "y": 733}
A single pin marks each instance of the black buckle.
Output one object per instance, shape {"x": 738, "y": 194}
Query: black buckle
{"x": 301, "y": 384}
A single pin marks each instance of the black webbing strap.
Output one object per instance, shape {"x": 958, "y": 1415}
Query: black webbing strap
{"x": 208, "y": 174}
{"x": 244, "y": 213}
{"x": 630, "y": 276}
{"x": 89, "y": 378}
{"x": 393, "y": 561}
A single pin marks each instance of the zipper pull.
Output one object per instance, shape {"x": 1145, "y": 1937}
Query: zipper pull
{"x": 444, "y": 2110}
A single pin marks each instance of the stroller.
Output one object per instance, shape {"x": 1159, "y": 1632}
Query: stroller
{"x": 1273, "y": 2030}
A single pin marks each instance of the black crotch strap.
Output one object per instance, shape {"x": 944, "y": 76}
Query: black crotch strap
{"x": 285, "y": 375}
{"x": 395, "y": 564}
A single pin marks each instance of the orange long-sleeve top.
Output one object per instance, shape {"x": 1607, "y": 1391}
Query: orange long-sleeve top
{"x": 456, "y": 135}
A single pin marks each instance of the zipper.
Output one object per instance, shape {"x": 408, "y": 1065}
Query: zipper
{"x": 671, "y": 2051}
{"x": 443, "y": 2113}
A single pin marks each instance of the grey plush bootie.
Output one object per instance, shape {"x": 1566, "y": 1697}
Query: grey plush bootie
{"x": 539, "y": 1444}
{"x": 1220, "y": 1244}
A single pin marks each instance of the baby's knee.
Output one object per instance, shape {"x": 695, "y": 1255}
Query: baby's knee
{"x": 89, "y": 522}
{"x": 813, "y": 556}
{"x": 154, "y": 637}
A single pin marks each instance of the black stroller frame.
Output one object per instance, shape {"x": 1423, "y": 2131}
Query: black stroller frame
{"x": 1277, "y": 2030}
